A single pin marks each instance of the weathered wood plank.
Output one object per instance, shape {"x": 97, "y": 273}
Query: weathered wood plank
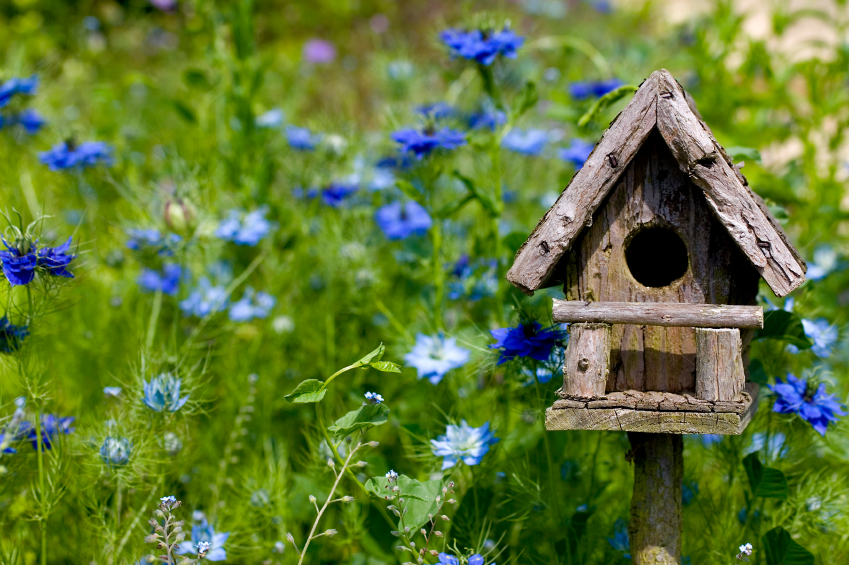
{"x": 536, "y": 259}
{"x": 719, "y": 364}
{"x": 659, "y": 314}
{"x": 587, "y": 360}
{"x": 699, "y": 156}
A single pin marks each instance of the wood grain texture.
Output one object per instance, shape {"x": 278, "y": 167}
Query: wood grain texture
{"x": 536, "y": 259}
{"x": 656, "y": 521}
{"x": 719, "y": 364}
{"x": 704, "y": 161}
{"x": 587, "y": 361}
{"x": 669, "y": 415}
{"x": 659, "y": 314}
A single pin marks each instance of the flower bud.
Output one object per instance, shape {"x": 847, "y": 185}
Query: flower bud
{"x": 152, "y": 538}
{"x": 290, "y": 538}
{"x": 451, "y": 501}
{"x": 434, "y": 552}
{"x": 445, "y": 518}
{"x": 179, "y": 215}
{"x": 438, "y": 498}
{"x": 361, "y": 463}
{"x": 407, "y": 530}
{"x": 437, "y": 533}
{"x": 330, "y": 462}
{"x": 347, "y": 499}
{"x": 394, "y": 533}
{"x": 330, "y": 533}
{"x": 373, "y": 444}
{"x": 424, "y": 532}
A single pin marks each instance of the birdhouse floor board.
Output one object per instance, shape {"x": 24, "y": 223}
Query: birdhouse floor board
{"x": 654, "y": 412}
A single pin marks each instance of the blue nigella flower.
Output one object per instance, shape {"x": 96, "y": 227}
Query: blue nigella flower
{"x": 436, "y": 111}
{"x": 17, "y": 86}
{"x": 487, "y": 119}
{"x": 822, "y": 334}
{"x": 817, "y": 407}
{"x": 335, "y": 194}
{"x": 252, "y": 305}
{"x": 482, "y": 48}
{"x": 204, "y": 532}
{"x": 19, "y": 262}
{"x": 167, "y": 281}
{"x": 115, "y": 451}
{"x": 51, "y": 426}
{"x": 67, "y": 155}
{"x": 824, "y": 263}
{"x": 433, "y": 356}
{"x": 271, "y": 119}
{"x": 528, "y": 339}
{"x": 577, "y": 152}
{"x": 302, "y": 139}
{"x": 112, "y": 391}
{"x": 423, "y": 143}
{"x": 142, "y": 239}
{"x": 545, "y": 371}
{"x": 586, "y": 89}
{"x": 374, "y": 398}
{"x": 30, "y": 120}
{"x": 473, "y": 280}
{"x": 54, "y": 260}
{"x": 400, "y": 221}
{"x": 244, "y": 231}
{"x": 530, "y": 142}
{"x": 163, "y": 393}
{"x": 620, "y": 540}
{"x": 204, "y": 300}
{"x": 11, "y": 336}
{"x": 464, "y": 443}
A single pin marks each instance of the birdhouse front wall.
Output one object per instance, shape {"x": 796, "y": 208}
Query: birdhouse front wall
{"x": 655, "y": 225}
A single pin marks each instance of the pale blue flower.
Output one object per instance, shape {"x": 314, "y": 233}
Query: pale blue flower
{"x": 163, "y": 393}
{"x": 823, "y": 334}
{"x": 204, "y": 533}
{"x": 530, "y": 142}
{"x": 392, "y": 476}
{"x": 824, "y": 263}
{"x": 204, "y": 300}
{"x": 112, "y": 391}
{"x": 464, "y": 443}
{"x": 115, "y": 451}
{"x": 433, "y": 356}
{"x": 620, "y": 541}
{"x": 252, "y": 305}
{"x": 247, "y": 230}
{"x": 168, "y": 500}
{"x": 271, "y": 119}
{"x": 577, "y": 153}
{"x": 374, "y": 398}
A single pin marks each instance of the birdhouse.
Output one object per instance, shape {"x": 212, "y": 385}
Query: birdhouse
{"x": 659, "y": 244}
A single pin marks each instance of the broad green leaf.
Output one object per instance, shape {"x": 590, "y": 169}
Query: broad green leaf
{"x": 526, "y": 99}
{"x": 781, "y": 549}
{"x": 308, "y": 391}
{"x": 765, "y": 482}
{"x": 410, "y": 190}
{"x": 784, "y": 326}
{"x": 410, "y": 488}
{"x": 375, "y": 355}
{"x": 418, "y": 509}
{"x": 604, "y": 102}
{"x": 385, "y": 366}
{"x": 363, "y": 417}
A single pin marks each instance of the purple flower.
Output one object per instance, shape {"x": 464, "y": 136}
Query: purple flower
{"x": 319, "y": 51}
{"x": 482, "y": 48}
{"x": 302, "y": 139}
{"x": 54, "y": 260}
{"x": 576, "y": 153}
{"x": 586, "y": 89}
{"x": 530, "y": 142}
{"x": 67, "y": 155}
{"x": 17, "y": 86}
{"x": 528, "y": 339}
{"x": 18, "y": 265}
{"x": 51, "y": 426}
{"x": 11, "y": 336}
{"x": 400, "y": 221}
{"x": 817, "y": 407}
{"x": 167, "y": 281}
{"x": 422, "y": 143}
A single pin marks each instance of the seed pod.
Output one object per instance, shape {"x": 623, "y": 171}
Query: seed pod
{"x": 373, "y": 444}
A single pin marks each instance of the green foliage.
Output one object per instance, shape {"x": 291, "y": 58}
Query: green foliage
{"x": 781, "y": 549}
{"x": 363, "y": 417}
{"x": 784, "y": 326}
{"x": 764, "y": 482}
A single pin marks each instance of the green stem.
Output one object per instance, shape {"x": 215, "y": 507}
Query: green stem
{"x": 548, "y": 457}
{"x": 42, "y": 518}
{"x": 154, "y": 317}
{"x": 438, "y": 273}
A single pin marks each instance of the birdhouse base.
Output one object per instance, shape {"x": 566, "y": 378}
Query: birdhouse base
{"x": 654, "y": 412}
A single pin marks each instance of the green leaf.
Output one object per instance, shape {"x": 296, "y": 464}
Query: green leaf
{"x": 365, "y": 416}
{"x": 765, "y": 482}
{"x": 784, "y": 326}
{"x": 483, "y": 197}
{"x": 744, "y": 154}
{"x": 385, "y": 366}
{"x": 602, "y": 103}
{"x": 185, "y": 112}
{"x": 527, "y": 99}
{"x": 779, "y": 211}
{"x": 514, "y": 240}
{"x": 375, "y": 355}
{"x": 781, "y": 549}
{"x": 757, "y": 373}
{"x": 410, "y": 488}
{"x": 308, "y": 391}
{"x": 453, "y": 207}
{"x": 411, "y": 191}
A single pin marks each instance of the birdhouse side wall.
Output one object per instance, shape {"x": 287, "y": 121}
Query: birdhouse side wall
{"x": 654, "y": 192}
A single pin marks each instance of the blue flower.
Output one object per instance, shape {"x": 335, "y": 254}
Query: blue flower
{"x": 335, "y": 194}
{"x": 620, "y": 540}
{"x": 545, "y": 371}
{"x": 822, "y": 334}
{"x": 204, "y": 300}
{"x": 115, "y": 451}
{"x": 586, "y": 89}
{"x": 530, "y": 142}
{"x": 477, "y": 559}
{"x": 17, "y": 86}
{"x": 28, "y": 119}
{"x": 163, "y": 393}
{"x": 464, "y": 443}
{"x": 142, "y": 239}
{"x": 51, "y": 426}
{"x": 400, "y": 221}
{"x": 252, "y": 306}
{"x": 824, "y": 263}
{"x": 11, "y": 336}
{"x": 67, "y": 155}
{"x": 19, "y": 263}
{"x": 446, "y": 559}
{"x": 482, "y": 48}
{"x": 302, "y": 139}
{"x": 436, "y": 111}
{"x": 422, "y": 143}
{"x": 374, "y": 398}
{"x": 54, "y": 260}
{"x": 528, "y": 339}
{"x": 433, "y": 356}
{"x": 167, "y": 281}
{"x": 576, "y": 153}
{"x": 271, "y": 119}
{"x": 795, "y": 397}
{"x": 112, "y": 391}
{"x": 473, "y": 280}
{"x": 391, "y": 475}
{"x": 487, "y": 119}
{"x": 204, "y": 532}
{"x": 773, "y": 445}
{"x": 168, "y": 500}
{"x": 244, "y": 231}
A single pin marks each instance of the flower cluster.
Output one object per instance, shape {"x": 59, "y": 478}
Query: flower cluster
{"x": 51, "y": 426}
{"x": 30, "y": 120}
{"x": 481, "y": 46}
{"x": 23, "y": 258}
{"x": 464, "y": 443}
{"x": 244, "y": 229}
{"x": 816, "y": 407}
{"x": 205, "y": 542}
{"x": 373, "y": 398}
{"x": 71, "y": 155}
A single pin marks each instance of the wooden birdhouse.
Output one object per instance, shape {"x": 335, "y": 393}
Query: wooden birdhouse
{"x": 659, "y": 244}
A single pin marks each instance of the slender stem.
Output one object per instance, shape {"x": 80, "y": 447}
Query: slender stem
{"x": 438, "y": 273}
{"x": 41, "y": 491}
{"x": 154, "y": 317}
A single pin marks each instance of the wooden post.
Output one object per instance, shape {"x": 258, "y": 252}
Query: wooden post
{"x": 587, "y": 361}
{"x": 655, "y": 525}
{"x": 719, "y": 364}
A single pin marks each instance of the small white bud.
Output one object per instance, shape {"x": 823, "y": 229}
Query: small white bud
{"x": 445, "y": 518}
{"x": 312, "y": 499}
{"x": 438, "y": 498}
{"x": 437, "y": 533}
{"x": 394, "y": 533}
{"x": 330, "y": 462}
{"x": 373, "y": 444}
{"x": 290, "y": 538}
{"x": 330, "y": 533}
{"x": 361, "y": 463}
{"x": 347, "y": 498}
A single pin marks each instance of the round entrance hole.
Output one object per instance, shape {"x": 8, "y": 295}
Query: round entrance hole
{"x": 656, "y": 257}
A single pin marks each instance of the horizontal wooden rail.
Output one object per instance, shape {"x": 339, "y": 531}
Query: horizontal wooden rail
{"x": 659, "y": 314}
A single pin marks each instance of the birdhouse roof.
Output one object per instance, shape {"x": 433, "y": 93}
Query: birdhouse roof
{"x": 661, "y": 103}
